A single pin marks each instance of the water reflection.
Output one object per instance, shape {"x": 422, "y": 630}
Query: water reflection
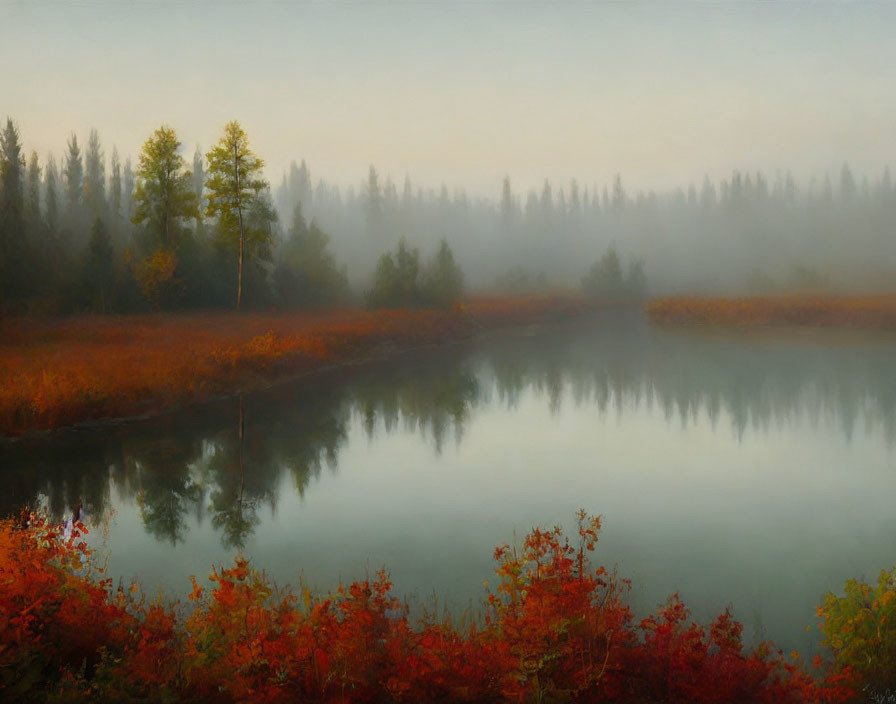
{"x": 224, "y": 462}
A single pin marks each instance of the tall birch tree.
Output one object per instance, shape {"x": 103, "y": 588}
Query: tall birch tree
{"x": 234, "y": 189}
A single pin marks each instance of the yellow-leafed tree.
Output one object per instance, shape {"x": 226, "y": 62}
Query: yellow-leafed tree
{"x": 235, "y": 193}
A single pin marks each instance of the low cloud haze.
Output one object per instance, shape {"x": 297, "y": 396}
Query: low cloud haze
{"x": 466, "y": 93}
{"x": 730, "y": 147}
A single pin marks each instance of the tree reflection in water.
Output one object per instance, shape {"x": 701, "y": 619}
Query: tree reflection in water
{"x": 201, "y": 462}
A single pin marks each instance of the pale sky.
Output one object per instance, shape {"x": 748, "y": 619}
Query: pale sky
{"x": 463, "y": 93}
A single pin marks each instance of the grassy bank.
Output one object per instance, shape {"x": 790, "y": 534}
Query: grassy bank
{"x": 59, "y": 372}
{"x": 877, "y": 312}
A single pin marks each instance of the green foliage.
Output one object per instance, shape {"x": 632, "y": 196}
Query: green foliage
{"x": 400, "y": 282}
{"x": 237, "y": 197}
{"x": 395, "y": 279}
{"x": 73, "y": 173}
{"x": 443, "y": 280}
{"x": 99, "y": 269}
{"x": 306, "y": 274}
{"x": 115, "y": 185}
{"x": 32, "y": 200}
{"x": 605, "y": 279}
{"x": 860, "y": 629}
{"x": 94, "y": 176}
{"x": 11, "y": 204}
{"x": 163, "y": 197}
{"x": 51, "y": 197}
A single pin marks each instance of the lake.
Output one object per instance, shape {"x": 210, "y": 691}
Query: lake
{"x": 750, "y": 468}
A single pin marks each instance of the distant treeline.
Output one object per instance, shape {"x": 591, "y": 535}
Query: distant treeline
{"x": 95, "y": 233}
{"x": 748, "y": 234}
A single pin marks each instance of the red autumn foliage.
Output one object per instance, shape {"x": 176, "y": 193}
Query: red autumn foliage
{"x": 820, "y": 311}
{"x": 556, "y": 629}
{"x": 60, "y": 372}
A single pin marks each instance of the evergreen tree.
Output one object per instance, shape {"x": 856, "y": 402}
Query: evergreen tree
{"x": 847, "y": 185}
{"x": 32, "y": 201}
{"x": 115, "y": 186}
{"x": 443, "y": 280}
{"x": 395, "y": 282}
{"x": 12, "y": 215}
{"x": 128, "y": 183}
{"x": 619, "y": 198}
{"x": 374, "y": 203}
{"x": 547, "y": 200}
{"x": 51, "y": 196}
{"x": 94, "y": 185}
{"x": 302, "y": 186}
{"x": 407, "y": 194}
{"x": 507, "y": 206}
{"x": 74, "y": 175}
{"x": 604, "y": 279}
{"x": 99, "y": 272}
{"x": 235, "y": 186}
{"x": 307, "y": 274}
{"x": 575, "y": 206}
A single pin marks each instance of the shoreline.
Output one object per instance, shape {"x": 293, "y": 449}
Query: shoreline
{"x": 876, "y": 312}
{"x": 96, "y": 371}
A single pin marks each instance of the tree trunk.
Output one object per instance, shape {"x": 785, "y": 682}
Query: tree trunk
{"x": 239, "y": 210}
{"x": 239, "y": 274}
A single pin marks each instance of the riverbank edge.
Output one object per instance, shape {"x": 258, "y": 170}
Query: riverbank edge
{"x": 876, "y": 312}
{"x": 253, "y": 363}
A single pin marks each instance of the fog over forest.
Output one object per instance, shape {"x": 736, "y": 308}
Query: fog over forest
{"x": 751, "y": 233}
{"x": 730, "y": 148}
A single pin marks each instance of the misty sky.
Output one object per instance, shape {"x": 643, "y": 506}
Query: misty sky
{"x": 463, "y": 93}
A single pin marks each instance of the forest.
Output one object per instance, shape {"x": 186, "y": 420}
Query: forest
{"x": 87, "y": 233}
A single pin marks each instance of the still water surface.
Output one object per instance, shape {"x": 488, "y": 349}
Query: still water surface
{"x": 752, "y": 469}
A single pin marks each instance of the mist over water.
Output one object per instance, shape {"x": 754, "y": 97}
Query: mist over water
{"x": 754, "y": 470}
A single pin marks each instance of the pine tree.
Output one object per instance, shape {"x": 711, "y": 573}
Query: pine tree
{"x": 12, "y": 216}
{"x": 374, "y": 203}
{"x": 300, "y": 183}
{"x": 32, "y": 201}
{"x": 507, "y": 206}
{"x": 74, "y": 175}
{"x": 94, "y": 185}
{"x": 51, "y": 196}
{"x": 115, "y": 186}
{"x": 128, "y": 183}
{"x": 99, "y": 272}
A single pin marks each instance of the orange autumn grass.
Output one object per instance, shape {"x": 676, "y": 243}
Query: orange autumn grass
{"x": 57, "y": 372}
{"x": 820, "y": 311}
